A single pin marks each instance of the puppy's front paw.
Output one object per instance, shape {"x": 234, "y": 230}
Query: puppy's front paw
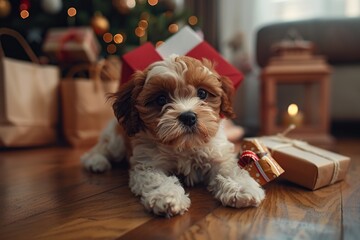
{"x": 167, "y": 204}
{"x": 95, "y": 162}
{"x": 239, "y": 194}
{"x": 247, "y": 195}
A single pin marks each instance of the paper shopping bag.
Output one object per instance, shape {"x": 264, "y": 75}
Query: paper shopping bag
{"x": 28, "y": 99}
{"x": 85, "y": 109}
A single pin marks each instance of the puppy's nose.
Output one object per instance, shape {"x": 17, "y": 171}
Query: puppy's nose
{"x": 188, "y": 118}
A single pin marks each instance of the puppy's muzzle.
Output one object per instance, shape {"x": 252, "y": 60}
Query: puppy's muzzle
{"x": 188, "y": 118}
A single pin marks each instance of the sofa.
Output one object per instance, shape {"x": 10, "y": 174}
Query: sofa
{"x": 336, "y": 39}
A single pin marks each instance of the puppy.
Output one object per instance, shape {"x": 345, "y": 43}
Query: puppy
{"x": 173, "y": 113}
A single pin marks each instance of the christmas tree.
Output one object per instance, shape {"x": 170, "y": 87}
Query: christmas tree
{"x": 120, "y": 25}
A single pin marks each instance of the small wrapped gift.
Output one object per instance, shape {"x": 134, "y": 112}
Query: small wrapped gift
{"x": 306, "y": 165}
{"x": 185, "y": 42}
{"x": 257, "y": 160}
{"x": 71, "y": 45}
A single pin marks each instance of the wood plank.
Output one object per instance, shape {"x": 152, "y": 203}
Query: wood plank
{"x": 350, "y": 190}
{"x": 288, "y": 212}
{"x": 202, "y": 203}
{"x": 45, "y": 194}
{"x": 34, "y": 181}
{"x": 102, "y": 216}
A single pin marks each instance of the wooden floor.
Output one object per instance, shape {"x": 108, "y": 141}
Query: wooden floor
{"x": 45, "y": 194}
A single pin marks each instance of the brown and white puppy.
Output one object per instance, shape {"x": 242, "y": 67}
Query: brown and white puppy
{"x": 173, "y": 113}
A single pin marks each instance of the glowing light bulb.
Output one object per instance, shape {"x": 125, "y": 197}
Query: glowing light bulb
{"x": 140, "y": 32}
{"x": 118, "y": 38}
{"x": 173, "y": 28}
{"x": 111, "y": 48}
{"x": 153, "y": 2}
{"x": 293, "y": 109}
{"x": 71, "y": 11}
{"x": 193, "y": 20}
{"x": 24, "y": 14}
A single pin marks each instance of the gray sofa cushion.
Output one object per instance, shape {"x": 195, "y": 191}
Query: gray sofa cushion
{"x": 337, "y": 39}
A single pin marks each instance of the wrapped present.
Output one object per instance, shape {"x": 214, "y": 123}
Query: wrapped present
{"x": 78, "y": 44}
{"x": 257, "y": 160}
{"x": 304, "y": 164}
{"x": 185, "y": 42}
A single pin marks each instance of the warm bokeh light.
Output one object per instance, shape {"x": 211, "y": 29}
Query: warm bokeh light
{"x": 159, "y": 43}
{"x": 118, "y": 38}
{"x": 107, "y": 37}
{"x": 143, "y": 24}
{"x": 173, "y": 28}
{"x": 140, "y": 32}
{"x": 130, "y": 3}
{"x": 24, "y": 14}
{"x": 111, "y": 48}
{"x": 193, "y": 20}
{"x": 293, "y": 109}
{"x": 71, "y": 11}
{"x": 153, "y": 2}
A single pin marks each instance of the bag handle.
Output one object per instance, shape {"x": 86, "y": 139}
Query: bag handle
{"x": 94, "y": 70}
{"x": 21, "y": 40}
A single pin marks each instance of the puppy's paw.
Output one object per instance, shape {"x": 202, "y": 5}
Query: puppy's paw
{"x": 236, "y": 194}
{"x": 246, "y": 196}
{"x": 170, "y": 204}
{"x": 95, "y": 162}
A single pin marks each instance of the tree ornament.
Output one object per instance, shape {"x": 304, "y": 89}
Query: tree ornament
{"x": 5, "y": 8}
{"x": 51, "y": 6}
{"x": 99, "y": 24}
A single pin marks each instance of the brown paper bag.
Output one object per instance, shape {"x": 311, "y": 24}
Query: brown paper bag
{"x": 85, "y": 109}
{"x": 28, "y": 99}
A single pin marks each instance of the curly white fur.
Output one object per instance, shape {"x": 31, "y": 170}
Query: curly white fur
{"x": 166, "y": 146}
{"x": 161, "y": 192}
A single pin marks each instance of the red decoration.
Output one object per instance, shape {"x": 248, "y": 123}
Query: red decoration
{"x": 247, "y": 157}
{"x": 24, "y": 5}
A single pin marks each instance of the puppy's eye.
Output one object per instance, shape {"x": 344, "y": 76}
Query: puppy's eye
{"x": 161, "y": 100}
{"x": 202, "y": 94}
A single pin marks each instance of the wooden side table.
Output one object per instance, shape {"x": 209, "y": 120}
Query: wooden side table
{"x": 308, "y": 71}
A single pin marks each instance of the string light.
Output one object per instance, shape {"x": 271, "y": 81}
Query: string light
{"x": 140, "y": 32}
{"x": 118, "y": 38}
{"x": 111, "y": 48}
{"x": 173, "y": 28}
{"x": 71, "y": 11}
{"x": 130, "y": 3}
{"x": 153, "y": 2}
{"x": 24, "y": 14}
{"x": 143, "y": 24}
{"x": 193, "y": 20}
{"x": 107, "y": 37}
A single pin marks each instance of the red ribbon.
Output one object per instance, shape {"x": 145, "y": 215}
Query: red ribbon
{"x": 247, "y": 157}
{"x": 72, "y": 35}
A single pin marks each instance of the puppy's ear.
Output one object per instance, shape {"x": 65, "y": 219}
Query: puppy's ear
{"x": 226, "y": 108}
{"x": 124, "y": 102}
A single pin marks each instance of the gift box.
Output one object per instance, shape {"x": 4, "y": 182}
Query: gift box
{"x": 185, "y": 42}
{"x": 71, "y": 45}
{"x": 306, "y": 165}
{"x": 257, "y": 160}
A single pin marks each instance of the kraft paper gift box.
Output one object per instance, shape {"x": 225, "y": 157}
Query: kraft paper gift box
{"x": 257, "y": 160}
{"x": 185, "y": 42}
{"x": 77, "y": 44}
{"x": 306, "y": 165}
